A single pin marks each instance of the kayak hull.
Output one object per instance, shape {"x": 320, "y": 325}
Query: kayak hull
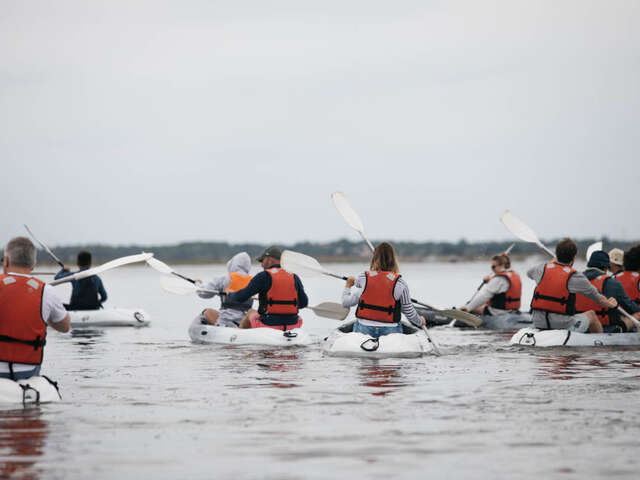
{"x": 34, "y": 391}
{"x": 564, "y": 338}
{"x": 200, "y": 331}
{"x": 110, "y": 317}
{"x": 343, "y": 342}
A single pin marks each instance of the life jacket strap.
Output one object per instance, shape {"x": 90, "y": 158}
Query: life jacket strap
{"x": 272, "y": 302}
{"x": 560, "y": 300}
{"x": 36, "y": 344}
{"x": 390, "y": 309}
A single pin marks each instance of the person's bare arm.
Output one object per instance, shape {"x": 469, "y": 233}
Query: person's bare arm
{"x": 62, "y": 326}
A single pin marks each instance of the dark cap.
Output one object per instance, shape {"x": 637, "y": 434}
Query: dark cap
{"x": 599, "y": 259}
{"x": 270, "y": 252}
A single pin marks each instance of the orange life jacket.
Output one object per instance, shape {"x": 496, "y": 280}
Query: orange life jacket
{"x": 631, "y": 283}
{"x": 377, "y": 301}
{"x": 552, "y": 293}
{"x": 23, "y": 331}
{"x": 584, "y": 304}
{"x": 238, "y": 282}
{"x": 509, "y": 300}
{"x": 282, "y": 297}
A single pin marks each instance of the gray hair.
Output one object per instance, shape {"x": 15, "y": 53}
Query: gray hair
{"x": 20, "y": 252}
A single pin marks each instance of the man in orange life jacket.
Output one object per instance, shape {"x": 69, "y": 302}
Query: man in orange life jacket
{"x": 554, "y": 298}
{"x": 27, "y": 305}
{"x": 280, "y": 294}
{"x": 630, "y": 277}
{"x": 611, "y": 319}
{"x": 499, "y": 293}
{"x": 230, "y": 314}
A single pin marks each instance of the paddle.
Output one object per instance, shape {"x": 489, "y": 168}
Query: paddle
{"x": 524, "y": 232}
{"x": 118, "y": 262}
{"x": 352, "y": 218}
{"x": 44, "y": 247}
{"x": 592, "y": 248}
{"x": 331, "y": 310}
{"x": 166, "y": 269}
{"x": 301, "y": 264}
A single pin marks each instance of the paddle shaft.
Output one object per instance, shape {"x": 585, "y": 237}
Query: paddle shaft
{"x": 190, "y": 280}
{"x": 44, "y": 247}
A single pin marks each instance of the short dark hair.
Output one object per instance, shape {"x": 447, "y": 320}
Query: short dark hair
{"x": 84, "y": 259}
{"x": 502, "y": 259}
{"x": 566, "y": 250}
{"x": 631, "y": 258}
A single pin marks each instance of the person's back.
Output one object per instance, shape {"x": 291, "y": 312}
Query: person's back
{"x": 630, "y": 277}
{"x": 558, "y": 283}
{"x": 27, "y": 306}
{"x": 87, "y": 293}
{"x": 381, "y": 296}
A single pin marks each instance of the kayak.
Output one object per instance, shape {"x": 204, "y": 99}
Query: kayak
{"x": 34, "y": 390}
{"x": 202, "y": 332}
{"x": 109, "y": 317}
{"x": 507, "y": 321}
{"x": 566, "y": 338}
{"x": 344, "y": 342}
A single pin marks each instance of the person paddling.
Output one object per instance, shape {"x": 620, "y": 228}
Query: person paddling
{"x": 87, "y": 293}
{"x": 611, "y": 319}
{"x": 498, "y": 294}
{"x": 280, "y": 294}
{"x": 27, "y": 306}
{"x": 237, "y": 278}
{"x": 554, "y": 298}
{"x": 630, "y": 277}
{"x": 382, "y": 296}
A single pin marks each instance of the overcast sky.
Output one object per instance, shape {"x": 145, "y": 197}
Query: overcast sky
{"x": 162, "y": 121}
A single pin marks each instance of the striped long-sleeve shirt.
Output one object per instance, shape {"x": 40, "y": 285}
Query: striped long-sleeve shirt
{"x": 351, "y": 297}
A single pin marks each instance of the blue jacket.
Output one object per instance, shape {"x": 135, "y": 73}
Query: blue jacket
{"x": 261, "y": 283}
{"x": 86, "y": 294}
{"x": 613, "y": 288}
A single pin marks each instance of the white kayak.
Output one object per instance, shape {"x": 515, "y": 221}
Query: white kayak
{"x": 506, "y": 321}
{"x": 566, "y": 338}
{"x": 343, "y": 342}
{"x": 34, "y": 390}
{"x": 109, "y": 317}
{"x": 201, "y": 331}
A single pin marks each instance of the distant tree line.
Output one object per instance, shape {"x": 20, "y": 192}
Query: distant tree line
{"x": 339, "y": 250}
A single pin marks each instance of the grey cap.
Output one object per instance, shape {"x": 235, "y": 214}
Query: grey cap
{"x": 274, "y": 252}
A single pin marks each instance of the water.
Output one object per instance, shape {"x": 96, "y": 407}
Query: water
{"x": 149, "y": 404}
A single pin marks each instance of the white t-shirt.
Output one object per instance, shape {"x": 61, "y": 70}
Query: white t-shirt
{"x": 52, "y": 312}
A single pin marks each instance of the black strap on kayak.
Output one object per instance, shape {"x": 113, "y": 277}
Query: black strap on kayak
{"x": 567, "y": 339}
{"x": 55, "y": 384}
{"x": 375, "y": 343}
{"x": 25, "y": 388}
{"x": 289, "y": 333}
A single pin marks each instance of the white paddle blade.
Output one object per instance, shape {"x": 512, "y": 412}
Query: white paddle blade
{"x": 300, "y": 264}
{"x": 159, "y": 266}
{"x": 177, "y": 286}
{"x": 331, "y": 310}
{"x": 518, "y": 227}
{"x": 593, "y": 248}
{"x": 118, "y": 262}
{"x": 348, "y": 213}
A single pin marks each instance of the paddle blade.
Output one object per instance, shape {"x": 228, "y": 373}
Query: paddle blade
{"x": 348, "y": 213}
{"x": 331, "y": 310}
{"x": 159, "y": 266}
{"x": 177, "y": 286}
{"x": 461, "y": 316}
{"x": 593, "y": 248}
{"x": 518, "y": 227}
{"x": 118, "y": 262}
{"x": 300, "y": 264}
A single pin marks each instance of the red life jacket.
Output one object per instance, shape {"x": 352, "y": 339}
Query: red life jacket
{"x": 509, "y": 300}
{"x": 631, "y": 283}
{"x": 552, "y": 293}
{"x": 377, "y": 301}
{"x": 23, "y": 331}
{"x": 584, "y": 304}
{"x": 282, "y": 297}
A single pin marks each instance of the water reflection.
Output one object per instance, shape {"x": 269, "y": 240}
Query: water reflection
{"x": 570, "y": 366}
{"x": 23, "y": 434}
{"x": 387, "y": 377}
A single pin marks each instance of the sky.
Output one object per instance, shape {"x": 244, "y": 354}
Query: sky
{"x": 155, "y": 122}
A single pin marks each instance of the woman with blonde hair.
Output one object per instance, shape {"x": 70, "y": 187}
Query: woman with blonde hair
{"x": 381, "y": 295}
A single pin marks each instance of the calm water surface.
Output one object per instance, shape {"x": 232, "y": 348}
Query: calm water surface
{"x": 147, "y": 403}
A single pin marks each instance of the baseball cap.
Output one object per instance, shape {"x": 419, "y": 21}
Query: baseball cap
{"x": 274, "y": 252}
{"x": 616, "y": 255}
